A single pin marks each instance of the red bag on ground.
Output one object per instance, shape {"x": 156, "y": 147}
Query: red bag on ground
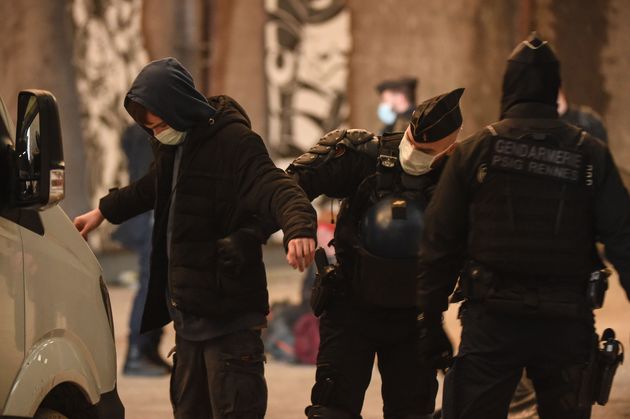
{"x": 306, "y": 333}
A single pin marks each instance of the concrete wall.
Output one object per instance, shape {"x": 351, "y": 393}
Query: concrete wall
{"x": 36, "y": 52}
{"x": 447, "y": 45}
{"x": 444, "y": 44}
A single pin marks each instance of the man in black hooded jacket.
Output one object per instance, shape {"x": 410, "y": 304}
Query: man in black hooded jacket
{"x": 211, "y": 180}
{"x": 518, "y": 210}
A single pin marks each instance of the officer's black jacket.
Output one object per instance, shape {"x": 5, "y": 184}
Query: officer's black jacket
{"x": 340, "y": 177}
{"x": 445, "y": 241}
{"x": 226, "y": 179}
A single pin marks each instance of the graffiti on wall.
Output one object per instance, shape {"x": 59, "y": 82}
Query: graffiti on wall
{"x": 307, "y": 46}
{"x": 108, "y": 53}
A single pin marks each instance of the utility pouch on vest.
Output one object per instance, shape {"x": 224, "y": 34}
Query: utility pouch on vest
{"x": 598, "y": 375}
{"x": 384, "y": 282}
{"x": 324, "y": 287}
{"x": 596, "y": 289}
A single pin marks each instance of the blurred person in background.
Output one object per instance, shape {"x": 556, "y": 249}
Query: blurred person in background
{"x": 143, "y": 357}
{"x": 581, "y": 116}
{"x": 368, "y": 307}
{"x": 211, "y": 180}
{"x": 397, "y": 101}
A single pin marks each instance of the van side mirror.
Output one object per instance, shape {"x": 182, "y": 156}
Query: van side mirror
{"x": 39, "y": 181}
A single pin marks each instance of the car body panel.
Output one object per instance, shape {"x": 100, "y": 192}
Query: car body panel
{"x": 11, "y": 306}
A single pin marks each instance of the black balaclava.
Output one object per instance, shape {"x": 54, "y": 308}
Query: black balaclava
{"x": 532, "y": 75}
{"x": 166, "y": 88}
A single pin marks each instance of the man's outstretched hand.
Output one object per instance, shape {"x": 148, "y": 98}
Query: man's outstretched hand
{"x": 88, "y": 222}
{"x": 300, "y": 253}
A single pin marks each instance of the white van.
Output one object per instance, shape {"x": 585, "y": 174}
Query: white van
{"x": 58, "y": 358}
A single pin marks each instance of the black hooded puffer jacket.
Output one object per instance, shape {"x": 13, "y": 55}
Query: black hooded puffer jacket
{"x": 226, "y": 180}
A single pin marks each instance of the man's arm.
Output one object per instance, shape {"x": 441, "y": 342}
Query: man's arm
{"x": 272, "y": 193}
{"x": 124, "y": 203}
{"x": 120, "y": 204}
{"x": 612, "y": 217}
{"x": 443, "y": 248}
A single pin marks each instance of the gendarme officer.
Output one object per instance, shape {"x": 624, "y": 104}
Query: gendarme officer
{"x": 519, "y": 209}
{"x": 385, "y": 183}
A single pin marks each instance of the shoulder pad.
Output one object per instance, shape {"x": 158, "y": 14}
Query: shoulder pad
{"x": 332, "y": 144}
{"x": 359, "y": 136}
{"x": 323, "y": 151}
{"x": 362, "y": 141}
{"x": 332, "y": 138}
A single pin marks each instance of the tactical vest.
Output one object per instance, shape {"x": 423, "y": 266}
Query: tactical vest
{"x": 532, "y": 211}
{"x": 379, "y": 231}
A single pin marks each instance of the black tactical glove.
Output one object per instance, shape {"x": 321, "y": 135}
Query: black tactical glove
{"x": 235, "y": 250}
{"x": 434, "y": 346}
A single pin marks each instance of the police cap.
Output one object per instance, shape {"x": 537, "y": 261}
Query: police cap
{"x": 437, "y": 117}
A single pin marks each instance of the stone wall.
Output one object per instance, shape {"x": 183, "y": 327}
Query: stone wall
{"x": 446, "y": 45}
{"x": 36, "y": 45}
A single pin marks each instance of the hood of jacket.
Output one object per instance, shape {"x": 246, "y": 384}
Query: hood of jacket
{"x": 166, "y": 89}
{"x": 532, "y": 75}
{"x": 228, "y": 111}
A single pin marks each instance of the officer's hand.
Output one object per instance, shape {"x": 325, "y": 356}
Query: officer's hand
{"x": 300, "y": 253}
{"x": 434, "y": 346}
{"x": 233, "y": 251}
{"x": 88, "y": 222}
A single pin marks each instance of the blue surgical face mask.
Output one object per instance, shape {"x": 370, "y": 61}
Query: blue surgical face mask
{"x": 386, "y": 113}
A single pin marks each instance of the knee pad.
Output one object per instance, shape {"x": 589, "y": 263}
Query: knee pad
{"x": 326, "y": 412}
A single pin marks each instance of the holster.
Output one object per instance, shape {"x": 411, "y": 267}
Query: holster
{"x": 598, "y": 375}
{"x": 327, "y": 283}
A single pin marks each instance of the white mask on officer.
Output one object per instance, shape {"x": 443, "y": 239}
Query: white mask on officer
{"x": 414, "y": 162}
{"x": 170, "y": 136}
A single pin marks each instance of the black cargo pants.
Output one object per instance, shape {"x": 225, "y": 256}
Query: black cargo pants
{"x": 220, "y": 378}
{"x": 350, "y": 338}
{"x": 494, "y": 350}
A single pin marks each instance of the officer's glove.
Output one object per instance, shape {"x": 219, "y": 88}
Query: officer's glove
{"x": 434, "y": 346}
{"x": 234, "y": 250}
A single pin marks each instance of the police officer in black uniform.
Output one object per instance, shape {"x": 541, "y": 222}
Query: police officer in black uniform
{"x": 518, "y": 210}
{"x": 385, "y": 183}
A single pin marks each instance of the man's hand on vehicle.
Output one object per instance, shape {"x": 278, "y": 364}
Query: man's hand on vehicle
{"x": 300, "y": 253}
{"x": 88, "y": 222}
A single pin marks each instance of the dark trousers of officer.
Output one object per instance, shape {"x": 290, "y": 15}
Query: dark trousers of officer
{"x": 349, "y": 340}
{"x": 494, "y": 350}
{"x": 220, "y": 378}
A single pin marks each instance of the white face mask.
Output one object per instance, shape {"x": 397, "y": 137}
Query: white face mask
{"x": 169, "y": 136}
{"x": 414, "y": 162}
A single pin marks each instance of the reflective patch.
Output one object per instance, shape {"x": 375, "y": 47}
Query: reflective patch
{"x": 532, "y": 158}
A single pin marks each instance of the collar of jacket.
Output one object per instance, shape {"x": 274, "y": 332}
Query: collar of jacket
{"x": 531, "y": 110}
